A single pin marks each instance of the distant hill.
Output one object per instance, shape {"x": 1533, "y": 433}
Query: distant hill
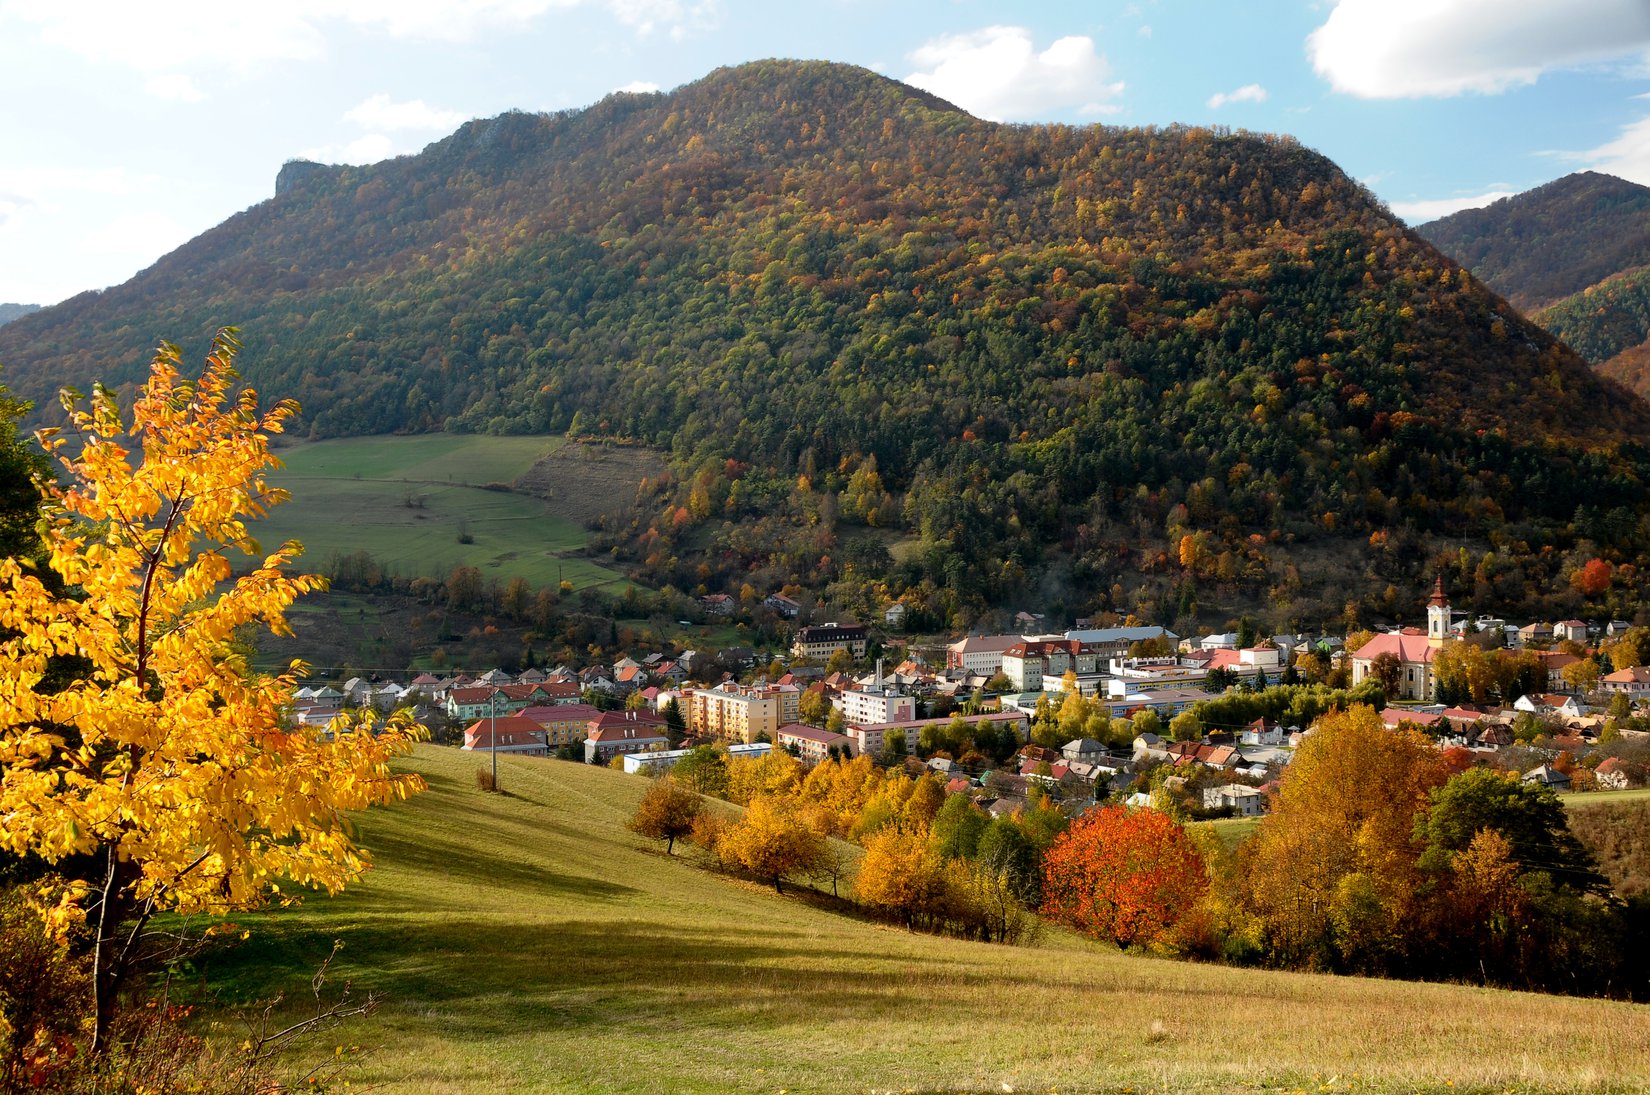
{"x": 9, "y": 312}
{"x": 1543, "y": 245}
{"x": 897, "y": 351}
{"x": 1573, "y": 255}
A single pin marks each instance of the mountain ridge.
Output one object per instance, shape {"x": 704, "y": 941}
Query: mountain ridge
{"x": 1049, "y": 354}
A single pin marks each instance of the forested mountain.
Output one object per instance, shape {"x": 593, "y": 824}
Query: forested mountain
{"x": 1573, "y": 255}
{"x": 1543, "y": 245}
{"x": 9, "y": 312}
{"x": 1075, "y": 369}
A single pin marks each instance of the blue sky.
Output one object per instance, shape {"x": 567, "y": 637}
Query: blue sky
{"x": 130, "y": 128}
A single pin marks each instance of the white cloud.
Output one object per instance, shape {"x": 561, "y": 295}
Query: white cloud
{"x": 681, "y": 18}
{"x": 1248, "y": 93}
{"x": 639, "y": 87}
{"x": 1627, "y": 157}
{"x": 1421, "y": 211}
{"x": 381, "y": 112}
{"x": 1395, "y": 49}
{"x": 997, "y": 73}
{"x": 184, "y": 35}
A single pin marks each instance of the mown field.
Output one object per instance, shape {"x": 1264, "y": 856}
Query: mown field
{"x": 529, "y": 943}
{"x": 408, "y": 500}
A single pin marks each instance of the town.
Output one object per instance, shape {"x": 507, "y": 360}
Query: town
{"x": 1127, "y": 714}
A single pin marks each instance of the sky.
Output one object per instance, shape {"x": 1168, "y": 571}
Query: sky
{"x": 129, "y": 128}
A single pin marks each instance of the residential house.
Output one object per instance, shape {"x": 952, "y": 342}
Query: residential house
{"x": 1150, "y": 747}
{"x": 810, "y": 743}
{"x": 1614, "y": 774}
{"x": 1262, "y": 731}
{"x": 782, "y": 605}
{"x": 1554, "y": 662}
{"x": 511, "y": 734}
{"x": 1549, "y": 777}
{"x": 1549, "y": 703}
{"x": 894, "y": 615}
{"x": 718, "y": 604}
{"x": 615, "y": 733}
{"x": 1242, "y": 801}
{"x": 1573, "y": 630}
{"x": 1633, "y": 682}
{"x": 1394, "y": 717}
{"x": 1535, "y": 635}
{"x": 1082, "y": 750}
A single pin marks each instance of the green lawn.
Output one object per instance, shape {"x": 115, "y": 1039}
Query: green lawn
{"x": 1233, "y": 830}
{"x": 408, "y": 500}
{"x": 531, "y": 944}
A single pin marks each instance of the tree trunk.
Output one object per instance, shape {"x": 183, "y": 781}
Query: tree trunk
{"x": 110, "y": 955}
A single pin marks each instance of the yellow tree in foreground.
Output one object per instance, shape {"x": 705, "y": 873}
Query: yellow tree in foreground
{"x": 133, "y": 734}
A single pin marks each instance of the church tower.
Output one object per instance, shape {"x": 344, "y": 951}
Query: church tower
{"x": 1438, "y": 614}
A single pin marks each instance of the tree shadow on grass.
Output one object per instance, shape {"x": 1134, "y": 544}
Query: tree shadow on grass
{"x": 459, "y": 861}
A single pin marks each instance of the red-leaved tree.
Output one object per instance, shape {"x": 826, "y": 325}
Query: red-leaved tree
{"x": 1123, "y": 875}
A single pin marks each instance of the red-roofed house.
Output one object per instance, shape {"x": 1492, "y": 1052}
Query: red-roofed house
{"x": 1634, "y": 682}
{"x": 508, "y": 734}
{"x": 615, "y": 733}
{"x": 562, "y": 723}
{"x": 1393, "y": 717}
{"x": 811, "y": 744}
{"x": 1614, "y": 773}
{"x": 1554, "y": 661}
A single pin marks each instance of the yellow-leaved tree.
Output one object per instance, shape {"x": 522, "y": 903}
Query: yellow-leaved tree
{"x": 135, "y": 739}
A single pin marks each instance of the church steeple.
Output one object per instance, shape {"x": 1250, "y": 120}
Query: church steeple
{"x": 1438, "y": 614}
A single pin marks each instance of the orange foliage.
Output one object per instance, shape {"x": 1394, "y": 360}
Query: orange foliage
{"x": 1123, "y": 875}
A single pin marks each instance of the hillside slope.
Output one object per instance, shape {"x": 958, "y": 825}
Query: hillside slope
{"x": 1543, "y": 245}
{"x": 1047, "y": 354}
{"x": 9, "y": 312}
{"x": 1573, "y": 255}
{"x": 531, "y": 944}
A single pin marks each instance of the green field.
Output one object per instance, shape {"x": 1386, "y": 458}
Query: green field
{"x": 407, "y": 500}
{"x": 530, "y": 943}
{"x": 1585, "y": 799}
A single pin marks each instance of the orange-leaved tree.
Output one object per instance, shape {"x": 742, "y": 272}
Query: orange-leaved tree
{"x": 135, "y": 739}
{"x": 1124, "y": 875}
{"x": 1333, "y": 871}
{"x": 667, "y": 811}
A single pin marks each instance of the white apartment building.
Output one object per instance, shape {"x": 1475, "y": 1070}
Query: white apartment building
{"x": 873, "y": 705}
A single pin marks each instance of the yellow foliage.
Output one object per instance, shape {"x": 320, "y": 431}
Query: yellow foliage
{"x": 163, "y": 753}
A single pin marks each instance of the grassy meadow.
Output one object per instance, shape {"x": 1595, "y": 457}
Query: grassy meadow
{"x": 407, "y": 500}
{"x": 529, "y": 943}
